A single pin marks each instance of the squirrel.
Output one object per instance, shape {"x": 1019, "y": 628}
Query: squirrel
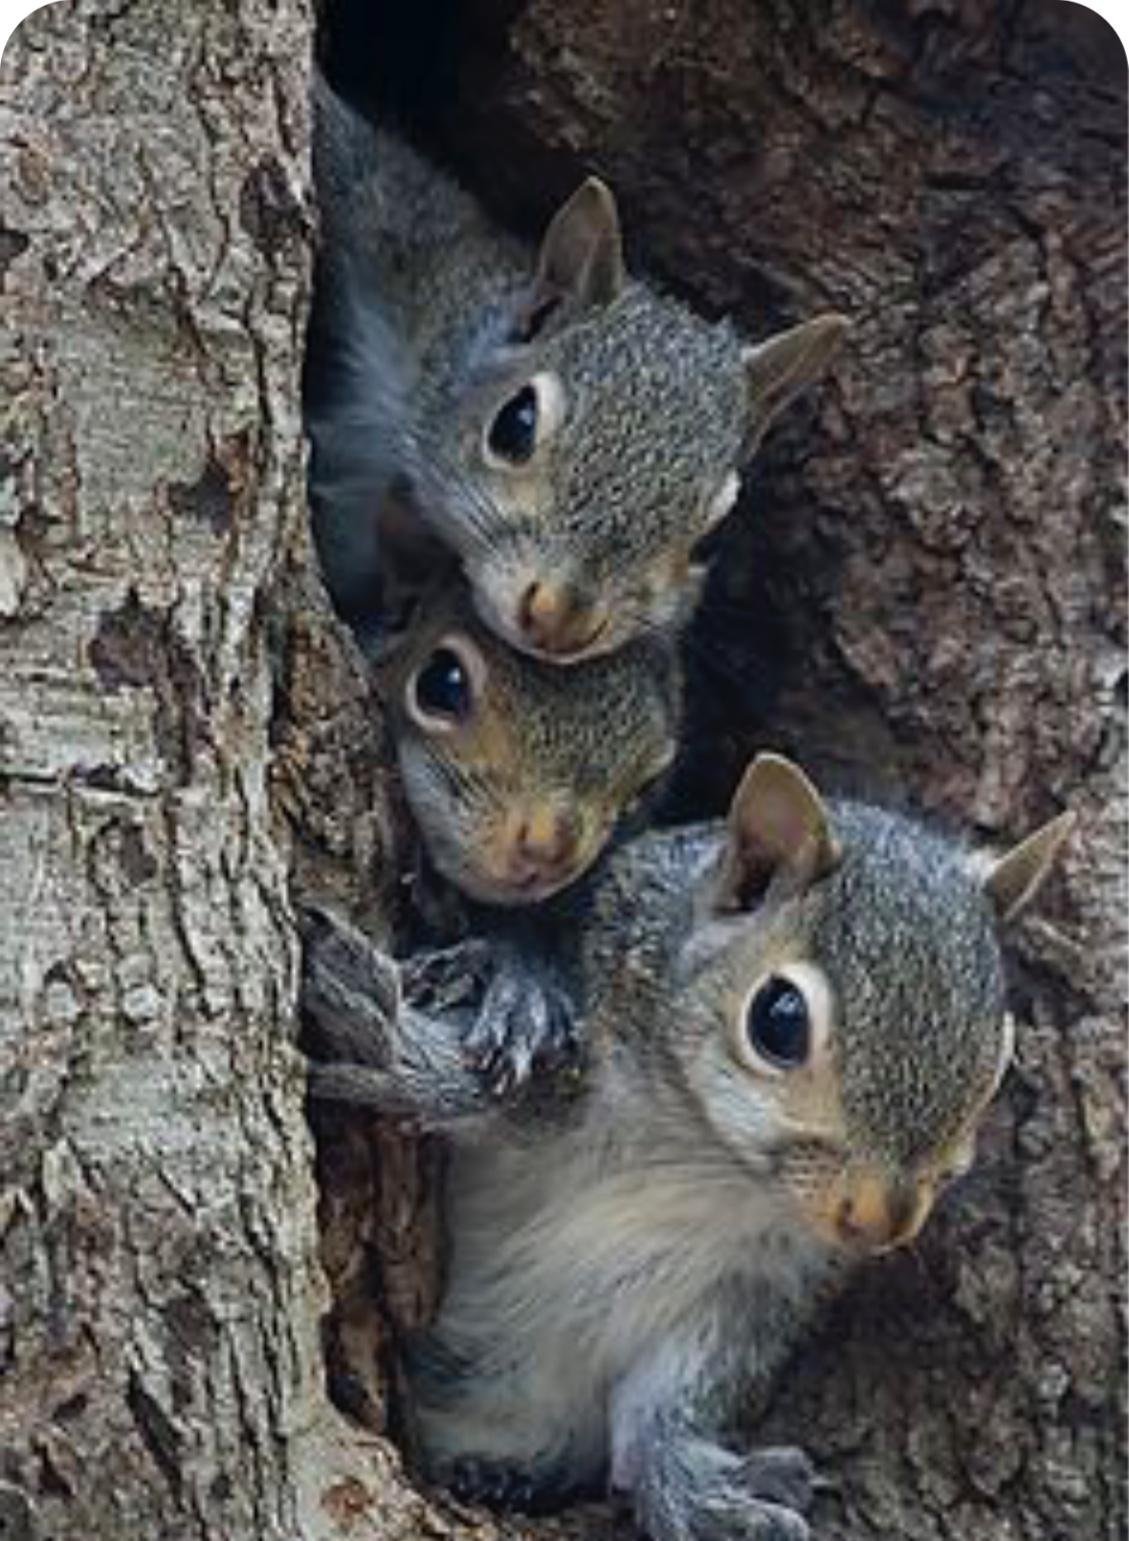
{"x": 518, "y": 773}
{"x": 793, "y": 1021}
{"x": 569, "y": 433}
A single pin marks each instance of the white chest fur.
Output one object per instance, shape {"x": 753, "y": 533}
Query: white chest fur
{"x": 572, "y": 1260}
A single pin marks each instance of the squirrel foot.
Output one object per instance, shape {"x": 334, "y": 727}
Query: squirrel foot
{"x": 780, "y": 1474}
{"x": 524, "y": 1019}
{"x": 712, "y": 1495}
{"x": 525, "y": 1026}
{"x": 497, "y": 1486}
{"x": 369, "y": 1043}
{"x": 447, "y": 978}
{"x": 349, "y": 989}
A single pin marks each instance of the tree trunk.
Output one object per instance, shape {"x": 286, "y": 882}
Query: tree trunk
{"x": 186, "y": 739}
{"x": 161, "y": 1290}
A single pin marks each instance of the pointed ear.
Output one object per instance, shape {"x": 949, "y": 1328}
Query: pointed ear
{"x": 581, "y": 257}
{"x": 1012, "y": 881}
{"x": 782, "y": 366}
{"x": 778, "y": 826}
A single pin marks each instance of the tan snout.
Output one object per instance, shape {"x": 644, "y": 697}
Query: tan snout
{"x": 537, "y": 850}
{"x": 870, "y": 1211}
{"x": 559, "y": 621}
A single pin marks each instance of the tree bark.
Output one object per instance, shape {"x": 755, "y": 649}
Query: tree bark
{"x": 161, "y": 1368}
{"x": 186, "y": 739}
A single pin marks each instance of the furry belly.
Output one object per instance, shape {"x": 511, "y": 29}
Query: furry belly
{"x": 550, "y": 1303}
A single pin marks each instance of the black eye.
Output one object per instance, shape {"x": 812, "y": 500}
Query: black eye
{"x": 513, "y": 433}
{"x": 777, "y": 1023}
{"x": 442, "y": 686}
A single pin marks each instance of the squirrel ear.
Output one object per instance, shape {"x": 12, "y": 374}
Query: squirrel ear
{"x": 581, "y": 255}
{"x": 778, "y": 824}
{"x": 1013, "y": 880}
{"x": 782, "y": 366}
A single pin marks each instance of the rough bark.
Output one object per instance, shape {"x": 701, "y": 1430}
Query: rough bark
{"x": 160, "y": 1290}
{"x": 185, "y": 738}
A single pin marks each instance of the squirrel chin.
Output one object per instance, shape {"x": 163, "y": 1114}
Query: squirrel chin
{"x": 507, "y": 895}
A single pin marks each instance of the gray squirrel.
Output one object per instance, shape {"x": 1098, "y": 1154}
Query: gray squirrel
{"x": 792, "y": 1022}
{"x": 570, "y": 434}
{"x": 518, "y": 774}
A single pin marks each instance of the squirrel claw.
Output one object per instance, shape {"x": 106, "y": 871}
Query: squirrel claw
{"x": 781, "y": 1474}
{"x": 492, "y": 1484}
{"x": 447, "y": 977}
{"x": 525, "y": 1026}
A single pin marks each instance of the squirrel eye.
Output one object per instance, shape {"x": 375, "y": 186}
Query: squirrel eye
{"x": 442, "y": 688}
{"x": 777, "y": 1024}
{"x": 513, "y": 433}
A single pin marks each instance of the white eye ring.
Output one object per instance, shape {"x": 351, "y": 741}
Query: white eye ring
{"x": 549, "y": 396}
{"x": 811, "y": 984}
{"x": 473, "y": 665}
{"x": 722, "y": 500}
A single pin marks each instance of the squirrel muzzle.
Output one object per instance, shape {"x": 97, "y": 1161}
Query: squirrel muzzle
{"x": 869, "y": 1210}
{"x": 556, "y": 621}
{"x": 535, "y": 850}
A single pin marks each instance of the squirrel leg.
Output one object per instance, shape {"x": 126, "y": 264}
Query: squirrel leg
{"x": 668, "y": 1416}
{"x": 370, "y": 1046}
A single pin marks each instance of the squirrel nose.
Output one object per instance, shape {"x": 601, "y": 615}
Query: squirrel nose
{"x": 548, "y": 836}
{"x": 542, "y": 843}
{"x": 559, "y": 619}
{"x": 880, "y": 1213}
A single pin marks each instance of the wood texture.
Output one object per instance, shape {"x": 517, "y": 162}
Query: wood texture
{"x": 160, "y": 1290}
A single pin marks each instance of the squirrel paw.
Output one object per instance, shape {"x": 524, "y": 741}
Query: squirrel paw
{"x": 736, "y": 1515}
{"x": 780, "y": 1474}
{"x": 493, "y": 1484}
{"x": 447, "y": 978}
{"x": 524, "y": 1025}
{"x": 710, "y": 1494}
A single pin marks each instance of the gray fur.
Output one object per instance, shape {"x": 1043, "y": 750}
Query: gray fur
{"x": 373, "y": 1048}
{"x": 590, "y": 740}
{"x": 907, "y": 896}
{"x": 627, "y": 1272}
{"x": 419, "y": 321}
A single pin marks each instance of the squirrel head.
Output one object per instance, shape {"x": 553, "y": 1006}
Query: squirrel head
{"x": 596, "y": 439}
{"x": 848, "y": 991}
{"x": 518, "y": 773}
